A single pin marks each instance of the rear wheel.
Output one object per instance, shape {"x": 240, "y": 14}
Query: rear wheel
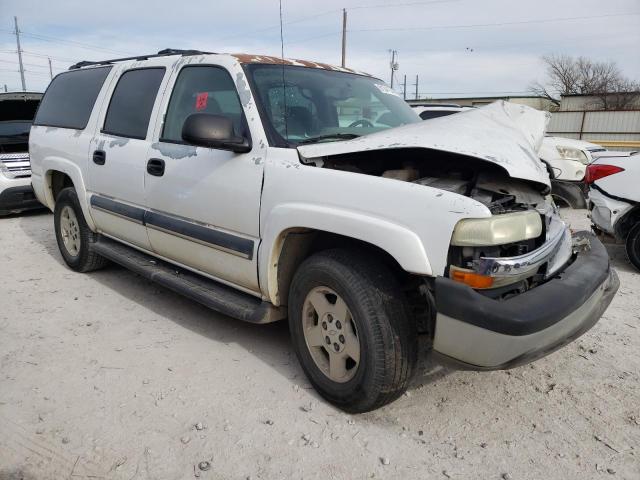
{"x": 75, "y": 239}
{"x": 633, "y": 245}
{"x": 351, "y": 330}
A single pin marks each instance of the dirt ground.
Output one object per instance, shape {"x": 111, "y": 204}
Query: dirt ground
{"x": 106, "y": 375}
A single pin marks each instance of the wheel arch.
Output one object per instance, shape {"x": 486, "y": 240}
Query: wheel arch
{"x": 626, "y": 223}
{"x": 59, "y": 174}
{"x": 287, "y": 244}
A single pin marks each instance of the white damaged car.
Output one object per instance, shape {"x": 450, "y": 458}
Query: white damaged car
{"x": 268, "y": 189}
{"x": 614, "y": 199}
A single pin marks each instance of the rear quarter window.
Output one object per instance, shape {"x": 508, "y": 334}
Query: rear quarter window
{"x": 132, "y": 101}
{"x": 70, "y": 98}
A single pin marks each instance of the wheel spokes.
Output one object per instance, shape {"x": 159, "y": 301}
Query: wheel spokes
{"x": 319, "y": 302}
{"x": 340, "y": 310}
{"x": 337, "y": 366}
{"x": 314, "y": 336}
{"x": 352, "y": 344}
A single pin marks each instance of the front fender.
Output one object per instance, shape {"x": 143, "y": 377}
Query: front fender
{"x": 398, "y": 241}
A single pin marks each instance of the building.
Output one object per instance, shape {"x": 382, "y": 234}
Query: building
{"x": 540, "y": 103}
{"x": 614, "y": 101}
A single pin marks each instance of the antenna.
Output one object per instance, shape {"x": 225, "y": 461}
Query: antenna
{"x": 284, "y": 88}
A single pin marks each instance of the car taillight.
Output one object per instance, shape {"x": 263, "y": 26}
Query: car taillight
{"x": 596, "y": 172}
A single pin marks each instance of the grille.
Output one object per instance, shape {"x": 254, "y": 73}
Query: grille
{"x": 15, "y": 165}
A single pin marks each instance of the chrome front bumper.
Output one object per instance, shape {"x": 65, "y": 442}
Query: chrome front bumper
{"x": 555, "y": 253}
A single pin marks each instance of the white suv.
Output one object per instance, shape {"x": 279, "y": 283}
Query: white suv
{"x": 17, "y": 110}
{"x": 234, "y": 180}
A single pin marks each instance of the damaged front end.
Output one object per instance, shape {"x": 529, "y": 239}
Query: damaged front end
{"x": 487, "y": 155}
{"x": 517, "y": 284}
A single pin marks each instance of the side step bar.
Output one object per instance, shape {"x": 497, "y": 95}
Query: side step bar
{"x": 209, "y": 293}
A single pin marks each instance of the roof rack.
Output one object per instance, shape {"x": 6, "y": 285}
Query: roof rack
{"x": 162, "y": 53}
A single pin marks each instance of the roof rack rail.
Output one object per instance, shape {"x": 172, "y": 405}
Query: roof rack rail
{"x": 162, "y": 53}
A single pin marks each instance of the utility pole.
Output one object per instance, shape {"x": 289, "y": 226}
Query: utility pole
{"x": 50, "y": 69}
{"x": 404, "y": 90}
{"x": 5, "y": 88}
{"x": 394, "y": 64}
{"x": 24, "y": 85}
{"x": 344, "y": 37}
{"x": 416, "y": 84}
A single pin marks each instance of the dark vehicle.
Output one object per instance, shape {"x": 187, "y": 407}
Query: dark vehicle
{"x": 17, "y": 110}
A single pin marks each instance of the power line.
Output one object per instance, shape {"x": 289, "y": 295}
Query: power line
{"x": 407, "y": 4}
{"x": 48, "y": 38}
{"x": 26, "y": 64}
{"x": 61, "y": 59}
{"x": 273, "y": 27}
{"x": 496, "y": 24}
{"x": 329, "y": 12}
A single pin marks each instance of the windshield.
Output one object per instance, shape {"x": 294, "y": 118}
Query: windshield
{"x": 324, "y": 105}
{"x": 15, "y": 129}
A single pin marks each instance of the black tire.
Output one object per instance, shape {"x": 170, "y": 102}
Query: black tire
{"x": 633, "y": 245}
{"x": 86, "y": 260}
{"x": 386, "y": 332}
{"x": 568, "y": 193}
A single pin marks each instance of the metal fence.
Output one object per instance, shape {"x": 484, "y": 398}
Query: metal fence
{"x": 614, "y": 129}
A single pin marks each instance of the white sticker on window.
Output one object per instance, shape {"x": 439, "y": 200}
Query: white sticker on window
{"x": 385, "y": 89}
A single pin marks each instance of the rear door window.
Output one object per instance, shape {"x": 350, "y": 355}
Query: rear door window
{"x": 132, "y": 102}
{"x": 69, "y": 100}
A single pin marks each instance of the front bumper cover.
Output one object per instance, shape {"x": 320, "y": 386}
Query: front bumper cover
{"x": 480, "y": 333}
{"x": 18, "y": 198}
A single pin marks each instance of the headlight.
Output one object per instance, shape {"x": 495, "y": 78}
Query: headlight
{"x": 497, "y": 230}
{"x": 570, "y": 153}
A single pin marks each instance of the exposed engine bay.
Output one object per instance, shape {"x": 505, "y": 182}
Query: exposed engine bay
{"x": 483, "y": 181}
{"x": 472, "y": 177}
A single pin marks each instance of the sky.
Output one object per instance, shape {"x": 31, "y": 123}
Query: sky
{"x": 456, "y": 47}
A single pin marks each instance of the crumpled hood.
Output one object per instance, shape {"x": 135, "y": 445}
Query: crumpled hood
{"x": 506, "y": 134}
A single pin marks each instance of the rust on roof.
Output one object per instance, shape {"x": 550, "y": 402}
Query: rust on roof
{"x": 268, "y": 59}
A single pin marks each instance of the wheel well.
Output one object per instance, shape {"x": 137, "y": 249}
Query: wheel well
{"x": 627, "y": 222}
{"x": 300, "y": 244}
{"x": 58, "y": 181}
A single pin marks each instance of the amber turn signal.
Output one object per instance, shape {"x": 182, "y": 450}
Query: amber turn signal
{"x": 474, "y": 280}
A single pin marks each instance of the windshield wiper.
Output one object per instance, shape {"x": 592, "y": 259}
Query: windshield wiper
{"x": 331, "y": 136}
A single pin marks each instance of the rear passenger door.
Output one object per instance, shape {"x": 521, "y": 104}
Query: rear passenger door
{"x": 118, "y": 154}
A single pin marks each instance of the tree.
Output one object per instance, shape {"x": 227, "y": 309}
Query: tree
{"x": 567, "y": 75}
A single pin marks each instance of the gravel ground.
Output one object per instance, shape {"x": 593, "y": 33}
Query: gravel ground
{"x": 106, "y": 375}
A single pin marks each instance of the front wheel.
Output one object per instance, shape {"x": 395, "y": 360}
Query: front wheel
{"x": 633, "y": 245}
{"x": 351, "y": 330}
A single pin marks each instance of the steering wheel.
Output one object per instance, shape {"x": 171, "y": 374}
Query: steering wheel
{"x": 363, "y": 122}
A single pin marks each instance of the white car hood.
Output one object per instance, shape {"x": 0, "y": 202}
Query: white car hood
{"x": 506, "y": 134}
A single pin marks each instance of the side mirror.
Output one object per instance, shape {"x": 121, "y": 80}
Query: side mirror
{"x": 213, "y": 131}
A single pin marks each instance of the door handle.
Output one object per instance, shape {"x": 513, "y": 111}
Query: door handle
{"x": 99, "y": 157}
{"x": 155, "y": 167}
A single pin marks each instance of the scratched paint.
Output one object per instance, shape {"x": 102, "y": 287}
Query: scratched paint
{"x": 175, "y": 151}
{"x": 119, "y": 142}
{"x": 267, "y": 59}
